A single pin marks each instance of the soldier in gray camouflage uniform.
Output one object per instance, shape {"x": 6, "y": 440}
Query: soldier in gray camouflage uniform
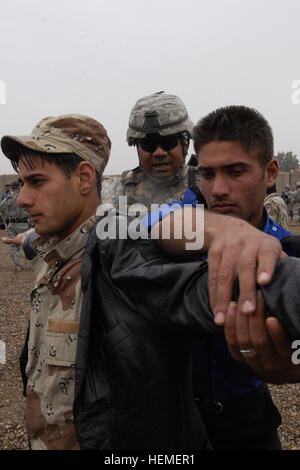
{"x": 296, "y": 203}
{"x": 16, "y": 219}
{"x": 288, "y": 198}
{"x": 160, "y": 128}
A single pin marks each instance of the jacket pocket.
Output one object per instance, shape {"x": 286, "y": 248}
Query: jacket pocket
{"x": 61, "y": 342}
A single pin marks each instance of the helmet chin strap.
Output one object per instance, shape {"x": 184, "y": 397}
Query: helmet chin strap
{"x": 185, "y": 142}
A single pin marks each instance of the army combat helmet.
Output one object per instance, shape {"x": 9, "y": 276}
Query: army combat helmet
{"x": 159, "y": 113}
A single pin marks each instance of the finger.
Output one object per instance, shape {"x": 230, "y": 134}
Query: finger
{"x": 221, "y": 276}
{"x": 229, "y": 328}
{"x": 268, "y": 256}
{"x": 279, "y": 337}
{"x": 213, "y": 261}
{"x": 13, "y": 241}
{"x": 230, "y": 332}
{"x": 259, "y": 336}
{"x": 247, "y": 272}
{"x": 6, "y": 240}
{"x": 242, "y": 331}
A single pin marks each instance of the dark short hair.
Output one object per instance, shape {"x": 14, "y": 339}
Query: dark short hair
{"x": 240, "y": 124}
{"x": 66, "y": 162}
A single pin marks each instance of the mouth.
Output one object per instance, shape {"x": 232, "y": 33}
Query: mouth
{"x": 34, "y": 217}
{"x": 223, "y": 207}
{"x": 161, "y": 166}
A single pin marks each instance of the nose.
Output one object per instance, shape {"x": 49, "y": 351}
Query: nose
{"x": 220, "y": 186}
{"x": 25, "y": 198}
{"x": 159, "y": 152}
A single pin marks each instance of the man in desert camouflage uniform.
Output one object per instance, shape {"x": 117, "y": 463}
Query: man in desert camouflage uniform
{"x": 296, "y": 203}
{"x": 16, "y": 219}
{"x": 57, "y": 295}
{"x": 276, "y": 207}
{"x": 160, "y": 128}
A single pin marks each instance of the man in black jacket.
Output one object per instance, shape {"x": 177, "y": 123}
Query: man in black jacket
{"x": 109, "y": 364}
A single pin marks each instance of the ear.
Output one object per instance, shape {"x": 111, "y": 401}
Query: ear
{"x": 271, "y": 172}
{"x": 86, "y": 177}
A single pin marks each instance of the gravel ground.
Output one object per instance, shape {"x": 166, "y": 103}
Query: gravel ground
{"x": 14, "y": 312}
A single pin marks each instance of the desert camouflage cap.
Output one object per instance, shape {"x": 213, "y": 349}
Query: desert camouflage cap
{"x": 158, "y": 113}
{"x": 70, "y": 133}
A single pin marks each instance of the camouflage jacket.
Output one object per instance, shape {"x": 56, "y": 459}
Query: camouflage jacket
{"x": 56, "y": 305}
{"x": 277, "y": 209}
{"x": 140, "y": 188}
{"x": 296, "y": 196}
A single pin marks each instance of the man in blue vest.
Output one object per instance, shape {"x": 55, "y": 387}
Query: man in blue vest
{"x": 234, "y": 150}
{"x": 234, "y": 146}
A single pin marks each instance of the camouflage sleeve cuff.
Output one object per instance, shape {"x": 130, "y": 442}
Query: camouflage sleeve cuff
{"x": 29, "y": 251}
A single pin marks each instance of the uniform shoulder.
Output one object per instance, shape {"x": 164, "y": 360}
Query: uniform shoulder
{"x": 132, "y": 174}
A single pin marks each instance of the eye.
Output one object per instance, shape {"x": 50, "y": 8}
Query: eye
{"x": 236, "y": 172}
{"x": 207, "y": 175}
{"x": 37, "y": 181}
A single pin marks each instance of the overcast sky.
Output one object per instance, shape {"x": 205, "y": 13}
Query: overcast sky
{"x": 97, "y": 57}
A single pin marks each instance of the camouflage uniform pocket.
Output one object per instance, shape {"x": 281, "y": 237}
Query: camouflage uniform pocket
{"x": 61, "y": 343}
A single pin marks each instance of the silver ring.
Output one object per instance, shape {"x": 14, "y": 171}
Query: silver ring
{"x": 248, "y": 352}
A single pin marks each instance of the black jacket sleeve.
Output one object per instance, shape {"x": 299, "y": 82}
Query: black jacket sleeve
{"x": 175, "y": 292}
{"x": 291, "y": 245}
{"x": 167, "y": 291}
{"x": 282, "y": 296}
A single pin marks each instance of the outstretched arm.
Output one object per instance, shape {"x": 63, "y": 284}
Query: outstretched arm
{"x": 25, "y": 240}
{"x": 234, "y": 248}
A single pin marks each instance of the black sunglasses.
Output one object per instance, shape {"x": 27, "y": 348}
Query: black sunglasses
{"x": 167, "y": 142}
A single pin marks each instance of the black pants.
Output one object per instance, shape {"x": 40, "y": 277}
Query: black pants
{"x": 248, "y": 422}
